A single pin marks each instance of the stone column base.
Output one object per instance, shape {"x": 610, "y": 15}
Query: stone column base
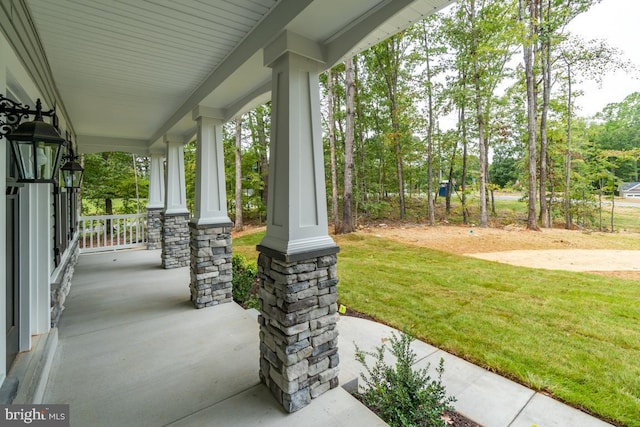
{"x": 210, "y": 264}
{"x": 154, "y": 228}
{"x": 298, "y": 335}
{"x": 175, "y": 240}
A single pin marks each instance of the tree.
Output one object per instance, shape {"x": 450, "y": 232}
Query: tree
{"x": 528, "y": 16}
{"x": 347, "y": 225}
{"x": 110, "y": 176}
{"x": 482, "y": 34}
{"x": 619, "y": 129}
{"x": 239, "y": 226}
{"x": 259, "y": 124}
{"x": 331, "y": 124}
{"x": 388, "y": 57}
{"x": 430, "y": 121}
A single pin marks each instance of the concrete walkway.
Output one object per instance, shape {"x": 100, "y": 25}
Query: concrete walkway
{"x": 134, "y": 352}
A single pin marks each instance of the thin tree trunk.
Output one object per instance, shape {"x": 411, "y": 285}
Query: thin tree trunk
{"x": 361, "y": 179}
{"x": 546, "y": 96}
{"x": 347, "y": 211}
{"x": 600, "y": 205}
{"x": 567, "y": 189}
{"x": 465, "y": 147}
{"x": 239, "y": 224}
{"x": 332, "y": 147}
{"x": 263, "y": 162}
{"x": 613, "y": 203}
{"x": 479, "y": 120}
{"x": 135, "y": 176}
{"x": 531, "y": 108}
{"x": 430, "y": 201}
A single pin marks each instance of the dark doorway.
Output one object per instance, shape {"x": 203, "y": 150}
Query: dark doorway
{"x": 13, "y": 278}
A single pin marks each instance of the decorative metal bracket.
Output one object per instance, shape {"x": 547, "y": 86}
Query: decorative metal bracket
{"x": 14, "y": 112}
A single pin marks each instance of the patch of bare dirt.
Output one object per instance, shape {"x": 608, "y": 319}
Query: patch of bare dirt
{"x": 605, "y": 253}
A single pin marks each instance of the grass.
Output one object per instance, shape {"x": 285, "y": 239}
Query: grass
{"x": 573, "y": 335}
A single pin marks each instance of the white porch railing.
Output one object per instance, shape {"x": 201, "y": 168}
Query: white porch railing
{"x": 112, "y": 232}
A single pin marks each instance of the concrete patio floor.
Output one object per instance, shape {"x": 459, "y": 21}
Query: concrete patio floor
{"x": 134, "y": 352}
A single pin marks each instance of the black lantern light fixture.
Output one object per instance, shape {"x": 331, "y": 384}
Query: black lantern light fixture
{"x": 72, "y": 171}
{"x": 36, "y": 145}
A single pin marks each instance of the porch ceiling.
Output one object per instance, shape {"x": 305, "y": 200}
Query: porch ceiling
{"x": 130, "y": 71}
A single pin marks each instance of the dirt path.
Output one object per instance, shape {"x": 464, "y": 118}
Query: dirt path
{"x": 611, "y": 254}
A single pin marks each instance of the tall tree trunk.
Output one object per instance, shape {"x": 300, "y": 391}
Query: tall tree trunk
{"x": 135, "y": 176}
{"x": 529, "y": 19}
{"x": 263, "y": 160}
{"x": 480, "y": 121}
{"x": 361, "y": 179}
{"x": 347, "y": 211}
{"x": 332, "y": 147}
{"x": 395, "y": 127}
{"x": 239, "y": 223}
{"x": 546, "y": 96}
{"x": 430, "y": 201}
{"x": 450, "y": 180}
{"x": 108, "y": 203}
{"x": 567, "y": 189}
{"x": 465, "y": 146}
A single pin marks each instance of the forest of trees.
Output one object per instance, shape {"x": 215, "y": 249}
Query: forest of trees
{"x": 480, "y": 96}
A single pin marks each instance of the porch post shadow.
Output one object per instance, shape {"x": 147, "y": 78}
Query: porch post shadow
{"x": 297, "y": 261}
{"x": 210, "y": 228}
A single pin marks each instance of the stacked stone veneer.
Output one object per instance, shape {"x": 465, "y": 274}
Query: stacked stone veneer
{"x": 210, "y": 264}
{"x": 175, "y": 240}
{"x": 298, "y": 335}
{"x": 61, "y": 288}
{"x": 154, "y": 228}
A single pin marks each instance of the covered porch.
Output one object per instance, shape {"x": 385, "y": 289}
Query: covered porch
{"x": 132, "y": 351}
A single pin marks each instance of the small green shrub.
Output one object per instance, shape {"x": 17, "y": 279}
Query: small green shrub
{"x": 400, "y": 395}
{"x": 244, "y": 283}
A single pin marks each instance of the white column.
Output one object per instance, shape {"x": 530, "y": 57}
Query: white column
{"x": 156, "y": 182}
{"x": 40, "y": 257}
{"x": 3, "y": 225}
{"x": 296, "y": 211}
{"x": 210, "y": 197}
{"x": 176, "y": 193}
{"x": 3, "y": 253}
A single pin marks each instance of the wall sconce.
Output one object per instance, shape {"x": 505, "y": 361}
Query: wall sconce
{"x": 72, "y": 171}
{"x": 36, "y": 145}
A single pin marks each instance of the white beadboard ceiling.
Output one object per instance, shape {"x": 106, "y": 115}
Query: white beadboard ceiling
{"x": 131, "y": 71}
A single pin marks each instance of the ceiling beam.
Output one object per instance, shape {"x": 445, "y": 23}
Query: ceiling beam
{"x": 270, "y": 27}
{"x": 100, "y": 144}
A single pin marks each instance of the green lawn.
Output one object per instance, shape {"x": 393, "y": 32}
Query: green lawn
{"x": 573, "y": 335}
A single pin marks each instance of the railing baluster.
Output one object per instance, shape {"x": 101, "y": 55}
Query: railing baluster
{"x": 126, "y": 231}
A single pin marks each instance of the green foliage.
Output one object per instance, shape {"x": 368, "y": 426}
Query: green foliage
{"x": 111, "y": 176}
{"x": 400, "y": 395}
{"x": 245, "y": 287}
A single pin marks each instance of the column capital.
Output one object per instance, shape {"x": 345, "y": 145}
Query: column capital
{"x": 174, "y": 139}
{"x": 216, "y": 115}
{"x": 290, "y": 42}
